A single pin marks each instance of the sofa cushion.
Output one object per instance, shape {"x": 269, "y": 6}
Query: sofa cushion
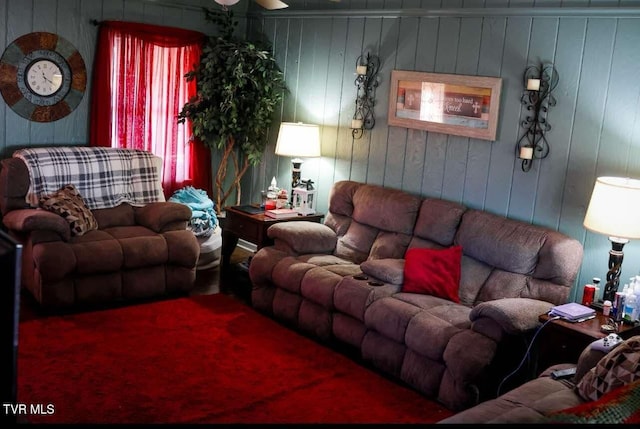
{"x": 68, "y": 203}
{"x": 381, "y": 225}
{"x": 389, "y": 245}
{"x": 341, "y": 198}
{"x": 386, "y": 209}
{"x": 619, "y": 367}
{"x": 97, "y": 252}
{"x": 356, "y": 243}
{"x": 438, "y": 220}
{"x": 121, "y": 215}
{"x": 388, "y": 270}
{"x": 507, "y": 244}
{"x": 14, "y": 184}
{"x": 433, "y": 272}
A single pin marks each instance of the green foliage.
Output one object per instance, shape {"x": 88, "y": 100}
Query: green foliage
{"x": 239, "y": 87}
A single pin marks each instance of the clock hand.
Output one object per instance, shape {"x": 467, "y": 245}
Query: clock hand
{"x": 45, "y": 78}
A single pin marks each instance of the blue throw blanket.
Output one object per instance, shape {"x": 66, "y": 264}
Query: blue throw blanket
{"x": 203, "y": 217}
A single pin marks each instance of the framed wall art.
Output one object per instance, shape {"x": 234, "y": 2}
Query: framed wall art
{"x": 445, "y": 103}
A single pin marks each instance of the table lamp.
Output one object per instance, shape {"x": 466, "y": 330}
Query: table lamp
{"x": 614, "y": 210}
{"x": 298, "y": 140}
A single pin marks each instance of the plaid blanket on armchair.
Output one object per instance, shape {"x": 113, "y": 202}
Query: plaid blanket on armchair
{"x": 105, "y": 177}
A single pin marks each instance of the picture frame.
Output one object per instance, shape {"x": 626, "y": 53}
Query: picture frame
{"x": 460, "y": 105}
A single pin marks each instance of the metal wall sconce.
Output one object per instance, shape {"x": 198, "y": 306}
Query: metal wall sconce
{"x": 366, "y": 83}
{"x": 539, "y": 82}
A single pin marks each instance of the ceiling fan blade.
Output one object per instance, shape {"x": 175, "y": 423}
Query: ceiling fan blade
{"x": 272, "y": 4}
{"x": 226, "y": 2}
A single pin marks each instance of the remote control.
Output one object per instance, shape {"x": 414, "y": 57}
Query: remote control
{"x": 563, "y": 373}
{"x": 607, "y": 343}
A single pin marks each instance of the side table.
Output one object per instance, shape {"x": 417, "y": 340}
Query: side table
{"x": 562, "y": 342}
{"x": 239, "y": 224}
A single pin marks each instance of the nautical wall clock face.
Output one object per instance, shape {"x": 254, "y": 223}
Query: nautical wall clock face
{"x": 42, "y": 77}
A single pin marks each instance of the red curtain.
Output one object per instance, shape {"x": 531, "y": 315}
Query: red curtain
{"x": 137, "y": 92}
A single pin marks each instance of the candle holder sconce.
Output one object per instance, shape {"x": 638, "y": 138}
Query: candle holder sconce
{"x": 539, "y": 81}
{"x": 366, "y": 82}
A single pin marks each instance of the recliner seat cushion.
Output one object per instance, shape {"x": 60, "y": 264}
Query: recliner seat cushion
{"x": 98, "y": 253}
{"x": 111, "y": 250}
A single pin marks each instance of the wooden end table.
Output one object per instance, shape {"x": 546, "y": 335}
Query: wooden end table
{"x": 563, "y": 342}
{"x": 238, "y": 224}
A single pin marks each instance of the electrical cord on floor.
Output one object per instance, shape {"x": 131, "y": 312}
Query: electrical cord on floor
{"x": 526, "y": 354}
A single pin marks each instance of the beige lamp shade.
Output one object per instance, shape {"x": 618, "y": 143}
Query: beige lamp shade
{"x": 298, "y": 140}
{"x": 227, "y": 2}
{"x": 614, "y": 209}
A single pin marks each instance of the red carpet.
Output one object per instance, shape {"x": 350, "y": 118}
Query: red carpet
{"x": 206, "y": 359}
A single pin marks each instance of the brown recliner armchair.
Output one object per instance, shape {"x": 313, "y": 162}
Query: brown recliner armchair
{"x": 136, "y": 252}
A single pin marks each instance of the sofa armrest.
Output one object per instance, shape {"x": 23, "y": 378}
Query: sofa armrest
{"x": 303, "y": 237}
{"x": 512, "y": 315}
{"x": 25, "y": 221}
{"x": 163, "y": 216}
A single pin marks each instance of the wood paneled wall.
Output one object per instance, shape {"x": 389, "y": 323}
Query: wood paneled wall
{"x": 71, "y": 19}
{"x": 596, "y": 122}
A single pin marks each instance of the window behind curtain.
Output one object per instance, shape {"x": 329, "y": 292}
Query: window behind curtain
{"x": 138, "y": 90}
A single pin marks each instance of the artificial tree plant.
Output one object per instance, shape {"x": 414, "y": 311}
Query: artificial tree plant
{"x": 239, "y": 86}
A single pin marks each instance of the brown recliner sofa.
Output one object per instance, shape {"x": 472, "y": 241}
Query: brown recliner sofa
{"x": 136, "y": 252}
{"x": 511, "y": 272}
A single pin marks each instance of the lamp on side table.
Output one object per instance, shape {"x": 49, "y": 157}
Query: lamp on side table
{"x": 614, "y": 210}
{"x": 298, "y": 140}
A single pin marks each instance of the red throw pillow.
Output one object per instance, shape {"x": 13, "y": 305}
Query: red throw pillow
{"x": 433, "y": 272}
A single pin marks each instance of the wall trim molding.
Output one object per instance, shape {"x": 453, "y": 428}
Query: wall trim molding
{"x": 529, "y": 12}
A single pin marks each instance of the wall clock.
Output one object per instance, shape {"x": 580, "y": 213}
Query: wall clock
{"x": 42, "y": 77}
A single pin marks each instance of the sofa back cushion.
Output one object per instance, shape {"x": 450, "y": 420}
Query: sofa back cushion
{"x": 340, "y": 210}
{"x": 524, "y": 260}
{"x": 503, "y": 243}
{"x": 438, "y": 221}
{"x": 14, "y": 184}
{"x": 122, "y": 215}
{"x": 386, "y": 209}
{"x": 381, "y": 224}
